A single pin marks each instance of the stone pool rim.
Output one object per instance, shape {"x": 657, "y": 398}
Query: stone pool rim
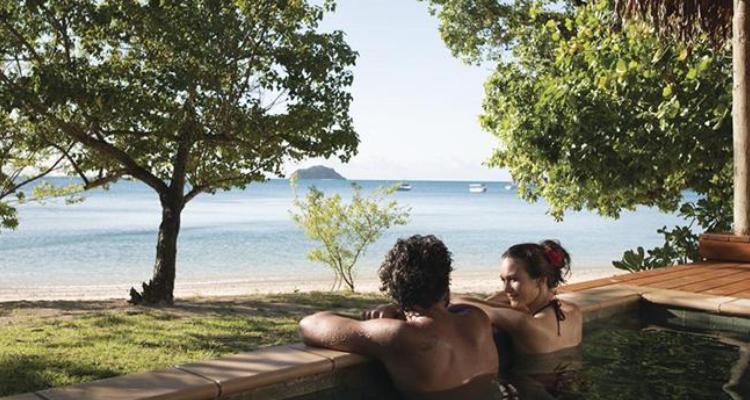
{"x": 296, "y": 369}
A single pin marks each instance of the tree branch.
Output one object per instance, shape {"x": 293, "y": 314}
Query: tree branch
{"x": 198, "y": 189}
{"x": 23, "y": 41}
{"x": 15, "y": 187}
{"x": 103, "y": 180}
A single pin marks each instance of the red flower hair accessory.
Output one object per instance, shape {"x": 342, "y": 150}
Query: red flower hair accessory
{"x": 555, "y": 257}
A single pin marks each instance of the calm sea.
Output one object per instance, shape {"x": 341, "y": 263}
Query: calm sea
{"x": 110, "y": 238}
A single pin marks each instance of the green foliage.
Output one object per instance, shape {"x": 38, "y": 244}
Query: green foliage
{"x": 188, "y": 97}
{"x": 25, "y": 159}
{"x": 595, "y": 114}
{"x": 681, "y": 242}
{"x": 603, "y": 120}
{"x": 129, "y": 82}
{"x": 345, "y": 230}
{"x": 481, "y": 30}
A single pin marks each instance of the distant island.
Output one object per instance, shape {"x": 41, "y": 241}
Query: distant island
{"x": 316, "y": 172}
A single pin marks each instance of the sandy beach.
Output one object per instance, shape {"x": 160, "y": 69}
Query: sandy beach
{"x": 462, "y": 282}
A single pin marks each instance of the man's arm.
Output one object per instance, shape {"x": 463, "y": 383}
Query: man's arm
{"x": 329, "y": 330}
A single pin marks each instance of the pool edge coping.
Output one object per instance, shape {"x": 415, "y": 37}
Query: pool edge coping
{"x": 246, "y": 372}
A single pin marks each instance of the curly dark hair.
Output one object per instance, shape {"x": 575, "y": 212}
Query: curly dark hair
{"x": 544, "y": 259}
{"x": 416, "y": 272}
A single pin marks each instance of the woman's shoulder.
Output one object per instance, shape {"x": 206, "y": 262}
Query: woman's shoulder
{"x": 570, "y": 310}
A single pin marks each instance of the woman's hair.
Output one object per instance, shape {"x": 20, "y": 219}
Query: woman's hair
{"x": 546, "y": 259}
{"x": 416, "y": 272}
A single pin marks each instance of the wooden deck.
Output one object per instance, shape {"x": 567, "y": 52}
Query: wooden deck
{"x": 709, "y": 278}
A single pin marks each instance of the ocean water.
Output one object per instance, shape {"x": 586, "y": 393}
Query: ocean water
{"x": 110, "y": 238}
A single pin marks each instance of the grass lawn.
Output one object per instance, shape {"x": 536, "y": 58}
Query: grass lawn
{"x": 46, "y": 344}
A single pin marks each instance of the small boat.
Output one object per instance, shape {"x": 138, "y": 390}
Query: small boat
{"x": 477, "y": 188}
{"x": 404, "y": 187}
{"x": 510, "y": 187}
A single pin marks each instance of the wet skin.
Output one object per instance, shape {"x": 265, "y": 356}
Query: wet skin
{"x": 427, "y": 350}
{"x": 519, "y": 310}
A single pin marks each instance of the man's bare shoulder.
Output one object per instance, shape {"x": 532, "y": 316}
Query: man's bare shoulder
{"x": 386, "y": 331}
{"x": 470, "y": 314}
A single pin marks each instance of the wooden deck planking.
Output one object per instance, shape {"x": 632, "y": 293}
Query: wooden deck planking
{"x": 658, "y": 271}
{"x": 710, "y": 278}
{"x": 667, "y": 276}
{"x": 730, "y": 290}
{"x": 657, "y": 274}
{"x": 710, "y": 283}
{"x": 698, "y": 277}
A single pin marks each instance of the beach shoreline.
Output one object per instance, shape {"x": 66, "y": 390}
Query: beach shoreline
{"x": 461, "y": 282}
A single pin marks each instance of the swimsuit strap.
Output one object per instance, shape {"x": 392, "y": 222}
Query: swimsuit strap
{"x": 559, "y": 314}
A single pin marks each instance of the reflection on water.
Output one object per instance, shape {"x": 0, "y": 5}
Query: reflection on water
{"x": 633, "y": 361}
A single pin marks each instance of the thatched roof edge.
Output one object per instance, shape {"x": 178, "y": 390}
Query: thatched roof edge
{"x": 685, "y": 19}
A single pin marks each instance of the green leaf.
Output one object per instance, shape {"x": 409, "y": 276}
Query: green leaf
{"x": 667, "y": 91}
{"x": 683, "y": 54}
{"x": 345, "y": 230}
{"x": 621, "y": 67}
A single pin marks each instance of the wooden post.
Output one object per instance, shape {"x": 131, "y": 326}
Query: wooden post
{"x": 741, "y": 117}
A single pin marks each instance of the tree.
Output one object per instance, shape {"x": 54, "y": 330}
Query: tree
{"x": 594, "y": 114}
{"x": 346, "y": 230}
{"x": 25, "y": 158}
{"x": 484, "y": 30}
{"x": 187, "y": 97}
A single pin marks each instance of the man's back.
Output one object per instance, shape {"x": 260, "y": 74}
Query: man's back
{"x": 440, "y": 351}
{"x": 429, "y": 351}
{"x": 434, "y": 351}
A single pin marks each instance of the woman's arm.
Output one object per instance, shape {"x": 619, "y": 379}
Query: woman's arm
{"x": 497, "y": 300}
{"x": 501, "y": 315}
{"x": 499, "y": 297}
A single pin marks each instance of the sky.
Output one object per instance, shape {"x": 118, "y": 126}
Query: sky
{"x": 416, "y": 108}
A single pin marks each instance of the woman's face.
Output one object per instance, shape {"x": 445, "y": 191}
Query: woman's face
{"x": 520, "y": 288}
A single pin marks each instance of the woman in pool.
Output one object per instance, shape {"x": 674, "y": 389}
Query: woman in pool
{"x": 527, "y": 309}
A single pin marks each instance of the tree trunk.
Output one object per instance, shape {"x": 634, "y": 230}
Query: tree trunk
{"x": 741, "y": 117}
{"x": 160, "y": 289}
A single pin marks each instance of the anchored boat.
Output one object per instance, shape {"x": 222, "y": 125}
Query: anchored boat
{"x": 477, "y": 188}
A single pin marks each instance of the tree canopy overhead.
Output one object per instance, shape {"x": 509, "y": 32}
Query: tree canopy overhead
{"x": 483, "y": 30}
{"x": 591, "y": 117}
{"x": 188, "y": 97}
{"x": 588, "y": 117}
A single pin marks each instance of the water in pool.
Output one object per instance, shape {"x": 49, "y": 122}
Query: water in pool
{"x": 621, "y": 358}
{"x": 631, "y": 359}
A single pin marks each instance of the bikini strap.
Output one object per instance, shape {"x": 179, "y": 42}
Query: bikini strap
{"x": 559, "y": 314}
{"x": 557, "y": 307}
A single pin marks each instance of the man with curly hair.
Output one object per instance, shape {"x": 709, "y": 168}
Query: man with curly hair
{"x": 429, "y": 350}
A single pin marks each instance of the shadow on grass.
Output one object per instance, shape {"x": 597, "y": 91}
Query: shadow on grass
{"x": 265, "y": 305}
{"x": 55, "y": 349}
{"x": 63, "y": 305}
{"x": 296, "y": 304}
{"x": 21, "y": 372}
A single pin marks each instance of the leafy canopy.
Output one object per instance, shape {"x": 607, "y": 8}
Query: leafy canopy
{"x": 346, "y": 230}
{"x": 214, "y": 94}
{"x": 595, "y": 114}
{"x": 24, "y": 160}
{"x": 591, "y": 118}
